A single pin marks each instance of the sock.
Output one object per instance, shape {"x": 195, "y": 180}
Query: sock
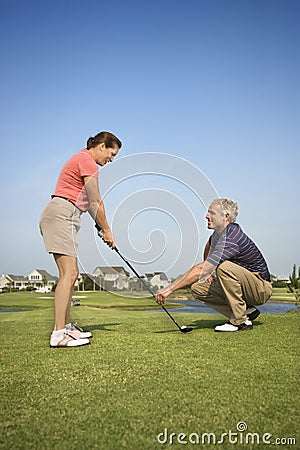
{"x": 56, "y": 336}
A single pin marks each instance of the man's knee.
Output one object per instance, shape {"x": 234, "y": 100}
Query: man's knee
{"x": 198, "y": 290}
{"x": 224, "y": 267}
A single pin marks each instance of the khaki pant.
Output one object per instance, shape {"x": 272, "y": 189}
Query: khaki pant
{"x": 234, "y": 288}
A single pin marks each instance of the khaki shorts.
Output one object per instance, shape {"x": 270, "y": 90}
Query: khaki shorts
{"x": 59, "y": 224}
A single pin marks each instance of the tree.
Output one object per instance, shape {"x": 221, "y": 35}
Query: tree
{"x": 45, "y": 282}
{"x": 294, "y": 285}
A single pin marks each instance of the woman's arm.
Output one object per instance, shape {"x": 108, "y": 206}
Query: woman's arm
{"x": 97, "y": 210}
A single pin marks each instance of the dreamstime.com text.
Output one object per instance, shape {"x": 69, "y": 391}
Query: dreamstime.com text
{"x": 239, "y": 437}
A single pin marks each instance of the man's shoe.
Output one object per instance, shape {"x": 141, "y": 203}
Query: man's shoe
{"x": 230, "y": 327}
{"x": 77, "y": 332}
{"x": 252, "y": 312}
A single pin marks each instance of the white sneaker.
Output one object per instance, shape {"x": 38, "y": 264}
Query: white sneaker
{"x": 67, "y": 340}
{"x": 230, "y": 327}
{"x": 76, "y": 332}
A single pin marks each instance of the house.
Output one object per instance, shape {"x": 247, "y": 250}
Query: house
{"x": 41, "y": 280}
{"x": 86, "y": 282}
{"x": 281, "y": 278}
{"x": 13, "y": 281}
{"x": 116, "y": 275}
{"x": 158, "y": 279}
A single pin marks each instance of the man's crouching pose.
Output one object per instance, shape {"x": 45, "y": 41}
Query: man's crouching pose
{"x": 234, "y": 277}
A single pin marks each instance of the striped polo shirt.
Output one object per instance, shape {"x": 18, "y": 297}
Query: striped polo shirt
{"x": 234, "y": 245}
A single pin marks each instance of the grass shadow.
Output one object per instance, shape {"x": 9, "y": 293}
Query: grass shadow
{"x": 195, "y": 325}
{"x": 101, "y": 326}
{"x": 211, "y": 324}
{"x": 167, "y": 331}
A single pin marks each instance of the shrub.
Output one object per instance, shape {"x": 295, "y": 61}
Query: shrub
{"x": 294, "y": 285}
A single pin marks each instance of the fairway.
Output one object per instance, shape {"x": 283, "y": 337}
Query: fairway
{"x": 141, "y": 378}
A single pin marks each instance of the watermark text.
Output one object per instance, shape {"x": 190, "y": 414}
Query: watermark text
{"x": 240, "y": 436}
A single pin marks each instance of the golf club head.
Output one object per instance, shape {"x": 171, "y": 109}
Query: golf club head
{"x": 185, "y": 329}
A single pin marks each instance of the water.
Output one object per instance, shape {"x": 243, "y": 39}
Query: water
{"x": 192, "y": 306}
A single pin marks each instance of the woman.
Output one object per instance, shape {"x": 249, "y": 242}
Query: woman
{"x": 77, "y": 191}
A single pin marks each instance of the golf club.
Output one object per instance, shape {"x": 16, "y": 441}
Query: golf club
{"x": 183, "y": 329}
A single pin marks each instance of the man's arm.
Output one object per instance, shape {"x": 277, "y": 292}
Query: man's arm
{"x": 206, "y": 250}
{"x": 187, "y": 279}
{"x": 200, "y": 272}
{"x": 210, "y": 279}
{"x": 97, "y": 210}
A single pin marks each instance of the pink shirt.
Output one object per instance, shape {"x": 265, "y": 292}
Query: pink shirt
{"x": 70, "y": 182}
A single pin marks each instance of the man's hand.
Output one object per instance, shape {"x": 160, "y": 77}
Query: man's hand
{"x": 211, "y": 280}
{"x": 162, "y": 295}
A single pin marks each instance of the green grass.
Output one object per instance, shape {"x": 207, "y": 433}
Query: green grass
{"x": 283, "y": 295}
{"x": 140, "y": 376}
{"x": 29, "y": 301}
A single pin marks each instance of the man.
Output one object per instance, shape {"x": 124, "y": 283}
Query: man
{"x": 233, "y": 277}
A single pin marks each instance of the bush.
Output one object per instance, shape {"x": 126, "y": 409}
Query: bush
{"x": 279, "y": 284}
{"x": 294, "y": 285}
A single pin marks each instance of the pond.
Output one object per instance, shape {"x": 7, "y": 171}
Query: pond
{"x": 192, "y": 306}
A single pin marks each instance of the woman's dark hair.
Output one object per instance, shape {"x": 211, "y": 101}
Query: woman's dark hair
{"x": 109, "y": 139}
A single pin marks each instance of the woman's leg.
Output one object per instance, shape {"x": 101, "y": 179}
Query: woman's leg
{"x": 68, "y": 273}
{"x": 68, "y": 312}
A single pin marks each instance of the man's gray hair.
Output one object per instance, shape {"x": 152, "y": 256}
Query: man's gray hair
{"x": 228, "y": 206}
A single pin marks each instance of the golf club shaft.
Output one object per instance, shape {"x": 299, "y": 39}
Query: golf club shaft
{"x": 145, "y": 285}
{"x": 141, "y": 280}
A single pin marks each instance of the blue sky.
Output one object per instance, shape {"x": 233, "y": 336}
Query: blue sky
{"x": 215, "y": 83}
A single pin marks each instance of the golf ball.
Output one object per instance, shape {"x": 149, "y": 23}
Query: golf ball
{"x": 183, "y": 326}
